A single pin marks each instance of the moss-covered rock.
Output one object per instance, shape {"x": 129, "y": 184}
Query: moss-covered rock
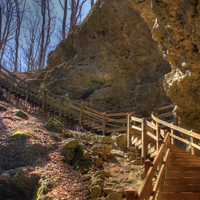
{"x": 54, "y": 125}
{"x": 72, "y": 151}
{"x": 21, "y": 114}
{"x": 75, "y": 155}
{"x": 21, "y": 135}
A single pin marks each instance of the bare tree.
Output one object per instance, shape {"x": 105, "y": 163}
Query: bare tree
{"x": 19, "y": 9}
{"x": 7, "y": 27}
{"x": 31, "y": 44}
{"x": 47, "y": 25}
{"x": 92, "y": 3}
{"x": 76, "y": 11}
{"x": 64, "y": 6}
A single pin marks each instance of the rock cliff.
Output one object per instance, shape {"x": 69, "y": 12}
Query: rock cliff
{"x": 175, "y": 26}
{"x": 110, "y": 61}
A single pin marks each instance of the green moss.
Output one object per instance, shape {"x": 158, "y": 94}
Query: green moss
{"x": 21, "y": 135}
{"x": 21, "y": 114}
{"x": 55, "y": 125}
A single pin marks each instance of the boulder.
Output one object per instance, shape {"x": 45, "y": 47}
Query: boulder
{"x": 21, "y": 135}
{"x": 72, "y": 151}
{"x": 111, "y": 62}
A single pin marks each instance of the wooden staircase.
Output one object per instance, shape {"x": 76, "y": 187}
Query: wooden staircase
{"x": 182, "y": 180}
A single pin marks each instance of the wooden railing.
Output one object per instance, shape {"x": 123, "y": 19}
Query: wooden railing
{"x": 51, "y": 104}
{"x": 156, "y": 173}
{"x": 165, "y": 135}
{"x": 189, "y": 138}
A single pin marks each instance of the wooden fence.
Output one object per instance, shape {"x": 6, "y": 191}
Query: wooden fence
{"x": 164, "y": 135}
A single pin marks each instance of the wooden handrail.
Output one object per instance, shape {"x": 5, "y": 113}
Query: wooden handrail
{"x": 150, "y": 188}
{"x": 176, "y": 128}
{"x": 117, "y": 120}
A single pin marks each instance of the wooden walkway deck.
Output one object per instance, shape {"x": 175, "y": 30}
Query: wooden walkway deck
{"x": 182, "y": 179}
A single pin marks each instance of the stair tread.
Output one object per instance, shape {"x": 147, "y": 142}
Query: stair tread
{"x": 179, "y": 196}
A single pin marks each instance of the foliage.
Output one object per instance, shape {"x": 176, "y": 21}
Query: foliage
{"x": 55, "y": 125}
{"x": 43, "y": 189}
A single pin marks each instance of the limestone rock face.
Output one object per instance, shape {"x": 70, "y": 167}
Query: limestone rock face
{"x": 110, "y": 61}
{"x": 175, "y": 26}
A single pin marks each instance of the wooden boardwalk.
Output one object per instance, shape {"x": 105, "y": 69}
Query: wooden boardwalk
{"x": 182, "y": 179}
{"x": 169, "y": 152}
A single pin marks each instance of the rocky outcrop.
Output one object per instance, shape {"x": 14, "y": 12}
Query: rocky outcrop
{"x": 174, "y": 26}
{"x": 110, "y": 61}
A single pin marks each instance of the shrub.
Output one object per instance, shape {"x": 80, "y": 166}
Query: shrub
{"x": 54, "y": 125}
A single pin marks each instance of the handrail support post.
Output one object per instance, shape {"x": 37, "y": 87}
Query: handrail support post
{"x": 128, "y": 130}
{"x": 144, "y": 140}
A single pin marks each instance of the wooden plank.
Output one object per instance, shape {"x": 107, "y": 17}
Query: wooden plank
{"x": 159, "y": 178}
{"x": 151, "y": 135}
{"x": 136, "y": 128}
{"x": 122, "y": 114}
{"x": 170, "y": 106}
{"x": 136, "y": 119}
{"x": 128, "y": 130}
{"x": 176, "y": 128}
{"x": 151, "y": 125}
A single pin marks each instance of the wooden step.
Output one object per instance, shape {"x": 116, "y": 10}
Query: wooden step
{"x": 181, "y": 187}
{"x": 179, "y": 196}
{"x": 176, "y": 180}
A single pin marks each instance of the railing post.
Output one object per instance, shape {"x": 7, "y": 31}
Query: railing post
{"x": 147, "y": 165}
{"x": 81, "y": 114}
{"x": 128, "y": 130}
{"x": 104, "y": 124}
{"x": 144, "y": 140}
{"x": 191, "y": 142}
{"x": 158, "y": 136}
{"x": 171, "y": 134}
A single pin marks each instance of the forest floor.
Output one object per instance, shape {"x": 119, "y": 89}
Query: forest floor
{"x": 68, "y": 183}
{"x": 32, "y": 165}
